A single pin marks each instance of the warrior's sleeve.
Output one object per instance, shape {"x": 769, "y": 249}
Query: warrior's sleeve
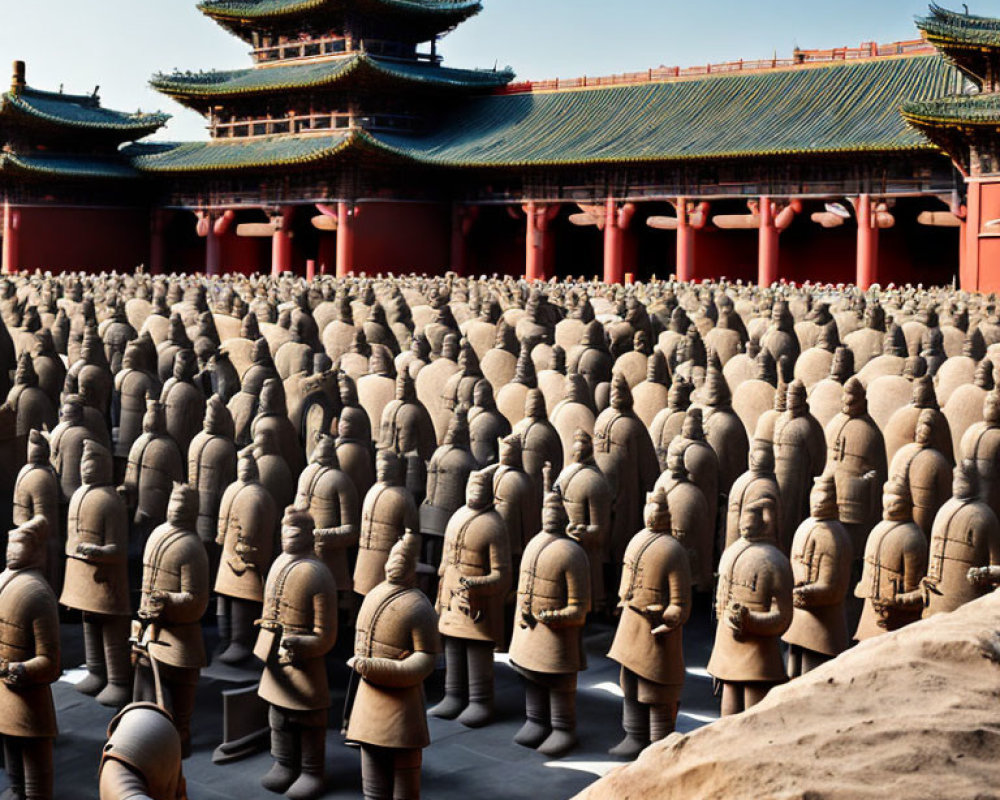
{"x": 324, "y": 628}
{"x": 497, "y": 580}
{"x": 189, "y": 604}
{"x": 914, "y": 568}
{"x": 44, "y": 667}
{"x": 678, "y": 589}
{"x": 778, "y": 617}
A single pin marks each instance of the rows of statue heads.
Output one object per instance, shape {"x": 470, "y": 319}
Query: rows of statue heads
{"x": 385, "y": 477}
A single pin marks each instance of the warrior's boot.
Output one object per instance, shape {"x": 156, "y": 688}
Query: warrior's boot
{"x": 479, "y": 711}
{"x": 636, "y": 722}
{"x": 563, "y": 736}
{"x": 456, "y": 679}
{"x": 93, "y": 648}
{"x": 241, "y": 617}
{"x": 537, "y": 727}
{"x": 662, "y": 719}
{"x": 309, "y": 784}
{"x": 116, "y": 656}
{"x": 285, "y": 769}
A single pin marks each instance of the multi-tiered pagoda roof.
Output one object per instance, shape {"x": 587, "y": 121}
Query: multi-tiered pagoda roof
{"x": 962, "y": 120}
{"x": 51, "y": 135}
{"x": 416, "y": 20}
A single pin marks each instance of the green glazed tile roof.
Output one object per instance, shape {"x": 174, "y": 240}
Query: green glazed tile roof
{"x": 68, "y": 167}
{"x": 955, "y": 110}
{"x": 210, "y": 86}
{"x": 843, "y": 108}
{"x": 417, "y": 20}
{"x": 946, "y": 27}
{"x": 229, "y": 154}
{"x": 78, "y": 111}
{"x": 270, "y": 9}
{"x": 849, "y": 107}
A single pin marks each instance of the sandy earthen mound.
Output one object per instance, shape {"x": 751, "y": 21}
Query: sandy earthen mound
{"x": 912, "y": 714}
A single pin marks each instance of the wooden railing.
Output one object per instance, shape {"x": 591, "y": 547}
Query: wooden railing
{"x": 312, "y": 123}
{"x": 338, "y": 45}
{"x": 658, "y": 74}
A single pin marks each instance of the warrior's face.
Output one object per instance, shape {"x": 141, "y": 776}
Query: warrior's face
{"x": 246, "y": 470}
{"x": 23, "y": 551}
{"x": 477, "y": 492}
{"x": 656, "y": 516}
{"x": 387, "y": 468}
{"x": 297, "y": 537}
{"x": 583, "y": 449}
{"x": 895, "y": 505}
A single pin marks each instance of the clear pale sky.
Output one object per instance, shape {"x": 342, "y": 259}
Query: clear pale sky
{"x": 118, "y": 44}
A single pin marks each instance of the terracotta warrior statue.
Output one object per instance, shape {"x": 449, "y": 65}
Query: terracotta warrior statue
{"x": 624, "y": 452}
{"x": 36, "y": 493}
{"x": 407, "y": 430}
{"x": 799, "y": 457}
{"x": 155, "y": 463}
{"x": 540, "y": 444}
{"x": 587, "y": 497}
{"x": 895, "y": 562}
{"x": 142, "y": 757}
{"x": 96, "y": 580}
{"x": 387, "y": 512}
{"x": 964, "y": 560}
{"x": 66, "y": 443}
{"x": 29, "y": 663}
{"x": 395, "y": 649}
{"x": 447, "y": 475}
{"x": 183, "y": 401}
{"x": 333, "y": 502}
{"x": 175, "y": 594}
{"x": 655, "y": 603}
{"x": 753, "y": 604}
{"x": 821, "y": 567}
{"x": 757, "y": 483}
{"x": 690, "y": 519}
{"x": 486, "y": 425}
{"x": 475, "y": 576}
{"x": 516, "y": 499}
{"x": 855, "y": 454}
{"x": 132, "y": 385}
{"x": 926, "y": 472}
{"x": 553, "y": 599}
{"x": 211, "y": 468}
{"x": 247, "y": 517}
{"x": 981, "y": 445}
{"x": 297, "y": 629}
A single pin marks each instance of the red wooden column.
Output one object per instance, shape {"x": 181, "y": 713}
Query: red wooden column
{"x": 538, "y": 245}
{"x": 969, "y": 278}
{"x": 157, "y": 244}
{"x": 685, "y": 241}
{"x": 616, "y": 221}
{"x": 867, "y": 260}
{"x": 281, "y": 242}
{"x": 767, "y": 253}
{"x": 11, "y": 238}
{"x": 462, "y": 220}
{"x": 346, "y": 215}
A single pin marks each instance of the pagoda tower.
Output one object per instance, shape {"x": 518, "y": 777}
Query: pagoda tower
{"x": 62, "y": 175}
{"x": 293, "y": 147}
{"x": 966, "y": 126}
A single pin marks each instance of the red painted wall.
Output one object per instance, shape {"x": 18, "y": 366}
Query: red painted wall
{"x": 403, "y": 237}
{"x": 989, "y": 245}
{"x": 94, "y": 239}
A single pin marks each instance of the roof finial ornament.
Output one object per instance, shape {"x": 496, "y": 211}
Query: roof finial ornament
{"x": 18, "y": 81}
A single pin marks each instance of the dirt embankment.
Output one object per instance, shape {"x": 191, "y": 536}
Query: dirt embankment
{"x": 912, "y": 714}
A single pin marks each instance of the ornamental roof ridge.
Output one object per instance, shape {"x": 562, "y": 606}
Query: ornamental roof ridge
{"x": 943, "y": 23}
{"x": 801, "y": 59}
